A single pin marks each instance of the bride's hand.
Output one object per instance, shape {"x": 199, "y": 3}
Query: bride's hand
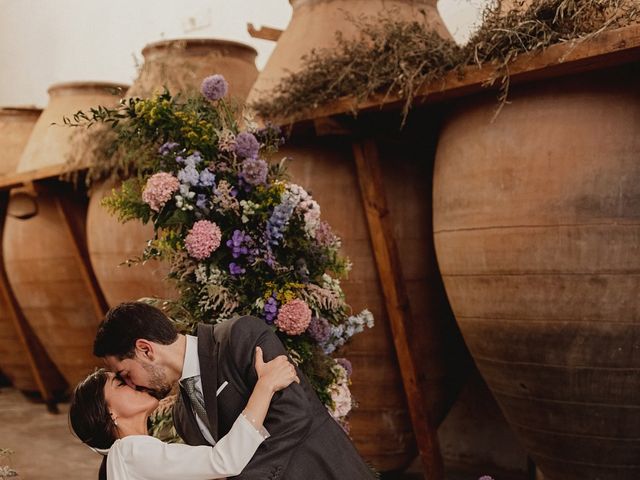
{"x": 277, "y": 374}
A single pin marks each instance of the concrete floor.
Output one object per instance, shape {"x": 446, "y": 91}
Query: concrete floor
{"x": 45, "y": 448}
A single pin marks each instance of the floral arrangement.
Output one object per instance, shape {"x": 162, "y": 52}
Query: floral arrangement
{"x": 240, "y": 238}
{"x": 5, "y": 470}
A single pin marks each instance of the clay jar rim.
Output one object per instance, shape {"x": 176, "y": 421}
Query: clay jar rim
{"x": 300, "y": 3}
{"x": 200, "y": 43}
{"x": 22, "y": 111}
{"x": 69, "y": 88}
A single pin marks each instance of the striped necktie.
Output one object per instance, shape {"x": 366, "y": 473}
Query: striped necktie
{"x": 197, "y": 402}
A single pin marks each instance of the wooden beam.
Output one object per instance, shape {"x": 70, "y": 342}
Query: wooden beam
{"x": 50, "y": 382}
{"x": 396, "y": 300}
{"x": 75, "y": 220}
{"x": 264, "y": 33}
{"x": 19, "y": 179}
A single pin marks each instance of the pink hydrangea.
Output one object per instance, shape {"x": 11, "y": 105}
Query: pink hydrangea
{"x": 294, "y": 317}
{"x": 203, "y": 239}
{"x": 159, "y": 189}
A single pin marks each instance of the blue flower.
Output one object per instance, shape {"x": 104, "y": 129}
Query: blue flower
{"x": 189, "y": 175}
{"x": 207, "y": 178}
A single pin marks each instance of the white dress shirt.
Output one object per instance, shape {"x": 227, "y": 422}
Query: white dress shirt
{"x": 142, "y": 457}
{"x": 191, "y": 368}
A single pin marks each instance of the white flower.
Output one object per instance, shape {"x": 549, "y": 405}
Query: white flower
{"x": 341, "y": 399}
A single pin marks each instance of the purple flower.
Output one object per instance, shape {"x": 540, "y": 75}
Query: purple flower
{"x": 271, "y": 309}
{"x": 346, "y": 364}
{"x": 319, "y": 329}
{"x": 214, "y": 87}
{"x": 207, "y": 178}
{"x": 246, "y": 145}
{"x": 239, "y": 243}
{"x": 278, "y": 221}
{"x": 254, "y": 171}
{"x": 201, "y": 201}
{"x": 236, "y": 269}
{"x": 167, "y": 147}
{"x": 485, "y": 477}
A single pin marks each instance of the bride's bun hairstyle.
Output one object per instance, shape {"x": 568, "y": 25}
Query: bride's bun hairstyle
{"x": 89, "y": 415}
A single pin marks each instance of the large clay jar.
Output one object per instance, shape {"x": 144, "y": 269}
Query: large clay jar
{"x": 16, "y": 125}
{"x": 180, "y": 65}
{"x": 43, "y": 262}
{"x": 537, "y": 230}
{"x": 314, "y": 24}
{"x": 380, "y": 426}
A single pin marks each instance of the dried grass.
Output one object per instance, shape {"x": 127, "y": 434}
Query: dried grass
{"x": 397, "y": 58}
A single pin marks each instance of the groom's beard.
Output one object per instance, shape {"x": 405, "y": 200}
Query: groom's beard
{"x": 159, "y": 387}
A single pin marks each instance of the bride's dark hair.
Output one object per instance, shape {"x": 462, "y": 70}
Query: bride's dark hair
{"x": 89, "y": 415}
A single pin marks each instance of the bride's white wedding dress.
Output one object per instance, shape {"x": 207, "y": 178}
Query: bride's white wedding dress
{"x": 142, "y": 457}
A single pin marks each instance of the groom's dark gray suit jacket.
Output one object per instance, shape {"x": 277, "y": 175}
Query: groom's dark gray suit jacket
{"x": 305, "y": 443}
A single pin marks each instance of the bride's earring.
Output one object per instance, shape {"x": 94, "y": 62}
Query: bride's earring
{"x": 113, "y": 419}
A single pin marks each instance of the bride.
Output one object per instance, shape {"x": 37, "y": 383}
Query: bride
{"x": 111, "y": 418}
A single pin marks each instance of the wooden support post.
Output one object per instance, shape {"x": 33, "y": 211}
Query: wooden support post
{"x": 397, "y": 301}
{"x": 47, "y": 377}
{"x": 67, "y": 203}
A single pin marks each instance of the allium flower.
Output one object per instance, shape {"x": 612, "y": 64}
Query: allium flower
{"x": 270, "y": 309}
{"x": 254, "y": 171}
{"x": 319, "y": 329}
{"x": 294, "y": 317}
{"x": 346, "y": 364}
{"x": 203, "y": 239}
{"x": 214, "y": 87}
{"x": 207, "y": 178}
{"x": 246, "y": 145}
{"x": 341, "y": 399}
{"x": 159, "y": 189}
{"x": 485, "y": 477}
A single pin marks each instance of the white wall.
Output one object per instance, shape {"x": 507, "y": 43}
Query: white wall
{"x": 49, "y": 41}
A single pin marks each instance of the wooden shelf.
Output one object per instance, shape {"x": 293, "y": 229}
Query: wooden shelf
{"x": 607, "y": 49}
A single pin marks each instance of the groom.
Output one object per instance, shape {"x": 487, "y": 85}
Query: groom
{"x": 216, "y": 374}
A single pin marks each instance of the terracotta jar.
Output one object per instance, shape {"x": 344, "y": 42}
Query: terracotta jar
{"x": 325, "y": 166}
{"x": 16, "y": 125}
{"x": 314, "y": 24}
{"x": 42, "y": 261}
{"x": 536, "y": 221}
{"x": 181, "y": 65}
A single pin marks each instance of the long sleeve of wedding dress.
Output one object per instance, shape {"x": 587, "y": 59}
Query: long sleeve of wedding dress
{"x": 142, "y": 457}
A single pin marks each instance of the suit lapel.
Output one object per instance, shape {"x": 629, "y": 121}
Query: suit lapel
{"x": 207, "y": 353}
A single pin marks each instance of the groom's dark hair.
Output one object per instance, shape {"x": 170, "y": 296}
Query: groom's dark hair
{"x": 126, "y": 323}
